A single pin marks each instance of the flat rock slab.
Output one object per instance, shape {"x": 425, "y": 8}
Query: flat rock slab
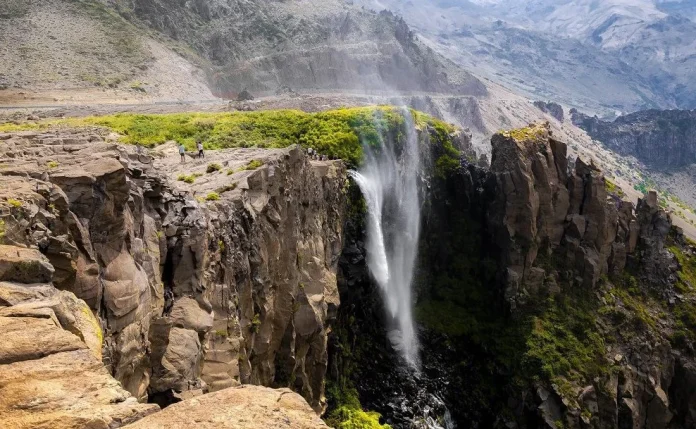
{"x": 24, "y": 265}
{"x": 28, "y": 338}
{"x": 65, "y": 390}
{"x": 247, "y": 407}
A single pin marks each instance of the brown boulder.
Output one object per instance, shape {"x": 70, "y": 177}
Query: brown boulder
{"x": 248, "y": 407}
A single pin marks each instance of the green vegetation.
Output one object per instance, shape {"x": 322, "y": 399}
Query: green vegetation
{"x": 256, "y": 323}
{"x": 212, "y": 168}
{"x": 684, "y": 311}
{"x": 212, "y": 196}
{"x": 186, "y": 178}
{"x": 52, "y": 164}
{"x": 613, "y": 189}
{"x": 349, "y": 414}
{"x": 221, "y": 245}
{"x": 447, "y": 158}
{"x": 645, "y": 186}
{"x": 564, "y": 342}
{"x": 227, "y": 188}
{"x": 14, "y": 203}
{"x": 530, "y": 133}
{"x": 337, "y": 133}
{"x": 221, "y": 333}
{"x": 2, "y": 230}
{"x": 253, "y": 165}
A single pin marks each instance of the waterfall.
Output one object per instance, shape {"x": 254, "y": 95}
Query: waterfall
{"x": 388, "y": 181}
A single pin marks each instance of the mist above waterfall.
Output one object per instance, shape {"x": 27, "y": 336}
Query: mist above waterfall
{"x": 388, "y": 181}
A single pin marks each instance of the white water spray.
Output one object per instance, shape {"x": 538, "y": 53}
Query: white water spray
{"x": 389, "y": 184}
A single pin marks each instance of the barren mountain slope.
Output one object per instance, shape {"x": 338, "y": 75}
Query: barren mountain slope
{"x": 79, "y": 48}
{"x": 269, "y": 46}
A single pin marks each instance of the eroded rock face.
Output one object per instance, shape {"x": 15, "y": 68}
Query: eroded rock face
{"x": 191, "y": 293}
{"x": 557, "y": 227}
{"x": 553, "y": 109}
{"x": 554, "y": 224}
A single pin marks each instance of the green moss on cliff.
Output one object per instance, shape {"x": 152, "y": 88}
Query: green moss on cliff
{"x": 529, "y": 133}
{"x": 564, "y": 342}
{"x": 684, "y": 335}
{"x": 349, "y": 414}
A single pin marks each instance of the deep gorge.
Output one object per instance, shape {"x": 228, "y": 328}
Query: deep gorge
{"x": 541, "y": 299}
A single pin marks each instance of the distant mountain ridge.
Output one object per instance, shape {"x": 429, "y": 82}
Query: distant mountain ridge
{"x": 662, "y": 139}
{"x": 607, "y": 57}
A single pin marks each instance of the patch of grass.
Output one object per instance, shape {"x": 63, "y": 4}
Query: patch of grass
{"x": 613, "y": 189}
{"x": 226, "y": 188}
{"x": 221, "y": 333}
{"x": 2, "y": 230}
{"x": 14, "y": 203}
{"x": 565, "y": 343}
{"x": 221, "y": 245}
{"x": 253, "y": 165}
{"x": 186, "y": 178}
{"x": 337, "y": 133}
{"x": 684, "y": 336}
{"x": 212, "y": 168}
{"x": 212, "y": 196}
{"x": 530, "y": 133}
{"x": 52, "y": 164}
{"x": 687, "y": 271}
{"x": 256, "y": 323}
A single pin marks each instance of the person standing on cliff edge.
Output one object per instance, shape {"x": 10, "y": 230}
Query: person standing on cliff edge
{"x": 199, "y": 145}
{"x": 182, "y": 152}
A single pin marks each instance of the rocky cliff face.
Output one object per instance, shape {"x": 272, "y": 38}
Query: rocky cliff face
{"x": 192, "y": 288}
{"x": 662, "y": 139}
{"x": 563, "y": 234}
{"x": 553, "y": 109}
{"x": 543, "y": 295}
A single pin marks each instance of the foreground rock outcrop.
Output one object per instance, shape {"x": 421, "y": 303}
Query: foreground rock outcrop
{"x": 197, "y": 285}
{"x": 51, "y": 374}
{"x": 249, "y": 407}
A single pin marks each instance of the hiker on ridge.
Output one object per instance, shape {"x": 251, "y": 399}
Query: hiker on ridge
{"x": 199, "y": 145}
{"x": 182, "y": 152}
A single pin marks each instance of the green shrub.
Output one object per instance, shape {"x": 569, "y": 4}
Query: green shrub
{"x": 212, "y": 168}
{"x": 256, "y": 323}
{"x": 53, "y": 164}
{"x": 349, "y": 414}
{"x": 187, "y": 179}
{"x": 14, "y": 203}
{"x": 213, "y": 196}
{"x": 253, "y": 165}
{"x": 613, "y": 189}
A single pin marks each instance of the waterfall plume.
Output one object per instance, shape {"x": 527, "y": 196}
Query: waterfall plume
{"x": 388, "y": 181}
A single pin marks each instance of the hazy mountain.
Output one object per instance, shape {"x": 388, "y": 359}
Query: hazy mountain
{"x": 607, "y": 57}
